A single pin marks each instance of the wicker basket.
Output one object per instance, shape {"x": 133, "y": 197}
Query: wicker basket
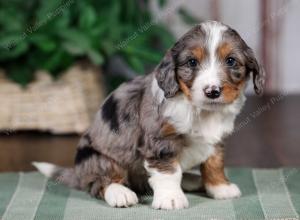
{"x": 64, "y": 106}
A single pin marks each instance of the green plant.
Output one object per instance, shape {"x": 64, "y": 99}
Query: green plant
{"x": 53, "y": 34}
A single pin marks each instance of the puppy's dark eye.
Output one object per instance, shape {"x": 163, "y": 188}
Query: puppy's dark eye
{"x": 231, "y": 62}
{"x": 192, "y": 62}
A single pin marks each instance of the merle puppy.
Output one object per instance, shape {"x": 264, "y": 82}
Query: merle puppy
{"x": 153, "y": 128}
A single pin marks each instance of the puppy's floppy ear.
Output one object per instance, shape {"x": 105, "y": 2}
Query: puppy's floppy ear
{"x": 257, "y": 70}
{"x": 166, "y": 76}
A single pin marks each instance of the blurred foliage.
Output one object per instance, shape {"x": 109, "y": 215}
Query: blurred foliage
{"x": 53, "y": 34}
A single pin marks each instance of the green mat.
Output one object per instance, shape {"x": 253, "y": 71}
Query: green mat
{"x": 267, "y": 194}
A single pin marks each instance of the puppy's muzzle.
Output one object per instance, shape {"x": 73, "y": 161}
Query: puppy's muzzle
{"x": 212, "y": 92}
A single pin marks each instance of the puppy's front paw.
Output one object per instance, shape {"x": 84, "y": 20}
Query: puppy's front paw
{"x": 117, "y": 195}
{"x": 223, "y": 191}
{"x": 170, "y": 200}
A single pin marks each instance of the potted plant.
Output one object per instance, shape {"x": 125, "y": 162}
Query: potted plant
{"x": 53, "y": 36}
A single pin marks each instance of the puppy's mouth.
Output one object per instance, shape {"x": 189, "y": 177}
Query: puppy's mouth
{"x": 213, "y": 105}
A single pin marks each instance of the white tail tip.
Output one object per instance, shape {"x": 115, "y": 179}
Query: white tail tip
{"x": 47, "y": 169}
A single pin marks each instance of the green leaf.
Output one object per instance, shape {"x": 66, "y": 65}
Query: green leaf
{"x": 108, "y": 47}
{"x": 11, "y": 20}
{"x": 136, "y": 64}
{"x": 98, "y": 30}
{"x": 53, "y": 62}
{"x": 73, "y": 48}
{"x": 10, "y": 40}
{"x": 48, "y": 9}
{"x": 43, "y": 42}
{"x": 21, "y": 75}
{"x": 14, "y": 51}
{"x": 88, "y": 17}
{"x": 76, "y": 37}
{"x": 95, "y": 57}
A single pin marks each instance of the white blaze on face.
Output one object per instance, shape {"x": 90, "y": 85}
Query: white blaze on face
{"x": 208, "y": 75}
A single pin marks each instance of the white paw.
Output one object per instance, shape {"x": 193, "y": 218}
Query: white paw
{"x": 175, "y": 200}
{"x": 223, "y": 191}
{"x": 117, "y": 195}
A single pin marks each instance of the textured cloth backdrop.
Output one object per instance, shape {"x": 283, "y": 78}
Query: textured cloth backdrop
{"x": 267, "y": 194}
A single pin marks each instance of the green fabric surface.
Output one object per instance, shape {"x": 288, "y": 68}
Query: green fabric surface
{"x": 267, "y": 194}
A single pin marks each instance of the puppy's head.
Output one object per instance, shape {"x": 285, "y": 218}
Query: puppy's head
{"x": 210, "y": 65}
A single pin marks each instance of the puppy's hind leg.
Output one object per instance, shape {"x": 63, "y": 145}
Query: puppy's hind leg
{"x": 103, "y": 178}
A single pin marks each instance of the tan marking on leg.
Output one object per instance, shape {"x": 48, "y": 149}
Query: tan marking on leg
{"x": 212, "y": 170}
{"x": 116, "y": 174}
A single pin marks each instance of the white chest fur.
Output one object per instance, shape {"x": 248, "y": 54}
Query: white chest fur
{"x": 203, "y": 129}
{"x": 195, "y": 153}
{"x": 206, "y": 131}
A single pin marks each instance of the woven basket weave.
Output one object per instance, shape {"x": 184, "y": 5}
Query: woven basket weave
{"x": 63, "y": 106}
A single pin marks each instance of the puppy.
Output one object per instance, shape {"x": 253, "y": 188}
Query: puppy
{"x": 154, "y": 127}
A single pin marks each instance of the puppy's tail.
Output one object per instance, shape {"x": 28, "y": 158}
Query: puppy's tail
{"x": 62, "y": 175}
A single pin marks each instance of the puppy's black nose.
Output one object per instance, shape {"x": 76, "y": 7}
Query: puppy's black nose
{"x": 212, "y": 92}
